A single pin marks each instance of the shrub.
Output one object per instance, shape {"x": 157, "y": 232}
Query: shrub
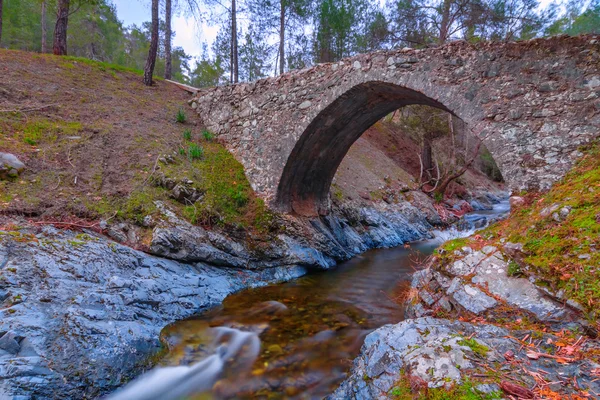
{"x": 187, "y": 134}
{"x": 195, "y": 152}
{"x": 180, "y": 118}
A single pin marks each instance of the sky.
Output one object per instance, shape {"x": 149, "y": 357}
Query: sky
{"x": 187, "y": 34}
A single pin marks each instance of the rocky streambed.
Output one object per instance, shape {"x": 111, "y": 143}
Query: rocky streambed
{"x": 81, "y": 314}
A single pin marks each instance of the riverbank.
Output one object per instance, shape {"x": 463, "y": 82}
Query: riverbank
{"x": 509, "y": 311}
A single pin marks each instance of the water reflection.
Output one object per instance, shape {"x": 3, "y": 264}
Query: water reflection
{"x": 310, "y": 329}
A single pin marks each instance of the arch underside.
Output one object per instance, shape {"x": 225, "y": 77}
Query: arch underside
{"x": 312, "y": 164}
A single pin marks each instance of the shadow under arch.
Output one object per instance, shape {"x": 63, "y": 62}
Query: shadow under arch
{"x": 304, "y": 185}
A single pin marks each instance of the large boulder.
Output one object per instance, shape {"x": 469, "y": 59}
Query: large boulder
{"x": 10, "y": 166}
{"x": 429, "y": 353}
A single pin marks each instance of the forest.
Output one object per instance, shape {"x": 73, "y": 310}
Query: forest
{"x": 274, "y": 36}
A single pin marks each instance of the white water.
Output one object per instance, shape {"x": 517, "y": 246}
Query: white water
{"x": 473, "y": 222}
{"x": 171, "y": 383}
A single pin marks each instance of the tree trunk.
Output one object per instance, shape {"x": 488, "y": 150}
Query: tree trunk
{"x": 44, "y": 27}
{"x": 60, "y": 30}
{"x": 168, "y": 34}
{"x": 151, "y": 61}
{"x": 282, "y": 37}
{"x": 444, "y": 25}
{"x": 234, "y": 43}
{"x": 1, "y": 1}
{"x": 441, "y": 189}
{"x": 427, "y": 158}
{"x": 452, "y": 138}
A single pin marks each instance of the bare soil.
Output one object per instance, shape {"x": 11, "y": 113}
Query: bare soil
{"x": 84, "y": 130}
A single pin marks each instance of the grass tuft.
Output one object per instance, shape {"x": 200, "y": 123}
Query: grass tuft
{"x": 207, "y": 135}
{"x": 180, "y": 117}
{"x": 195, "y": 152}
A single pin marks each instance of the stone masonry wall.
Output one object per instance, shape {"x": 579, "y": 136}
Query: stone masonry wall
{"x": 533, "y": 102}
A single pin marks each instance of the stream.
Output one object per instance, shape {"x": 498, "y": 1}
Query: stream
{"x": 295, "y": 339}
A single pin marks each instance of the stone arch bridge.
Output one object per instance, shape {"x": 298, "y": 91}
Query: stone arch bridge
{"x": 533, "y": 103}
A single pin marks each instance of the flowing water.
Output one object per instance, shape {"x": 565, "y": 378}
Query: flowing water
{"x": 309, "y": 330}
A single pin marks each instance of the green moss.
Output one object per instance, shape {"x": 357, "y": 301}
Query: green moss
{"x": 477, "y": 348}
{"x": 453, "y": 245}
{"x": 465, "y": 391}
{"x": 44, "y": 131}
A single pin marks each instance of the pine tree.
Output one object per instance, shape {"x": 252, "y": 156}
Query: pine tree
{"x": 151, "y": 61}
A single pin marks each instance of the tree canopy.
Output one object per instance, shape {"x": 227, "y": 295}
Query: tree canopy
{"x": 273, "y": 36}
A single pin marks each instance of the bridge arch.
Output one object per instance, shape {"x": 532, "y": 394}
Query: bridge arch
{"x": 310, "y": 168}
{"x": 535, "y": 102}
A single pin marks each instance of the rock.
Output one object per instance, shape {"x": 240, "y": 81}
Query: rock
{"x": 9, "y": 343}
{"x": 305, "y": 104}
{"x": 10, "y": 166}
{"x": 564, "y": 213}
{"x": 470, "y": 297}
{"x": 95, "y": 311}
{"x": 185, "y": 194}
{"x": 513, "y": 250}
{"x": 440, "y": 352}
{"x": 426, "y": 348}
{"x": 516, "y": 202}
{"x": 487, "y": 388}
{"x": 546, "y": 211}
{"x": 118, "y": 232}
{"x": 148, "y": 221}
{"x": 548, "y": 86}
{"x": 519, "y": 292}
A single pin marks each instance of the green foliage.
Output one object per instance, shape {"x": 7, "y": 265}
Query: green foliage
{"x": 514, "y": 269}
{"x": 465, "y": 391}
{"x": 94, "y": 32}
{"x": 489, "y": 166}
{"x": 180, "y": 117}
{"x": 187, "y": 134}
{"x": 254, "y": 57}
{"x": 195, "y": 152}
{"x": 455, "y": 244}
